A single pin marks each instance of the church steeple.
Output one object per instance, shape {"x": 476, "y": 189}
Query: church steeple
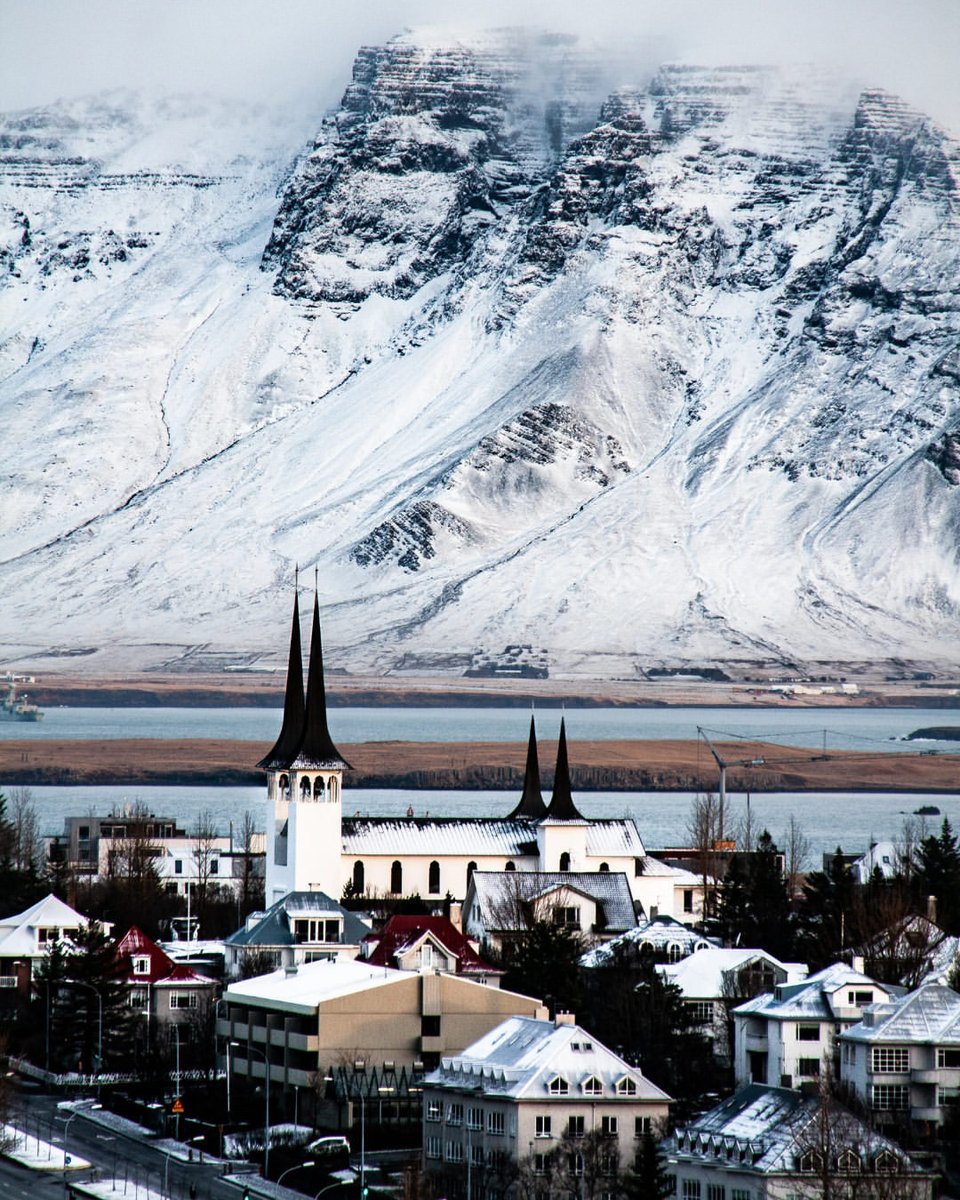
{"x": 531, "y": 806}
{"x": 316, "y": 748}
{"x": 285, "y": 749}
{"x": 562, "y": 807}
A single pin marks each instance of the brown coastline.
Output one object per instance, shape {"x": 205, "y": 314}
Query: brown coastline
{"x": 596, "y": 766}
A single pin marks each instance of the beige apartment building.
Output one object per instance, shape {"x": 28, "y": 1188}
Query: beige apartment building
{"x": 318, "y": 1018}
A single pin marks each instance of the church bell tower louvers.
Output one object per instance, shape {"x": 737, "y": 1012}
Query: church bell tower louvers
{"x": 304, "y": 781}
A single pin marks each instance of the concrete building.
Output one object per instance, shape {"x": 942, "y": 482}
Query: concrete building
{"x": 312, "y": 1019}
{"x": 530, "y": 1090}
{"x": 312, "y": 846}
{"x": 904, "y": 1056}
{"x": 787, "y": 1037}
{"x": 768, "y": 1143}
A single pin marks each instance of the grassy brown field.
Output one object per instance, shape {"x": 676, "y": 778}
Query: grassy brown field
{"x": 599, "y": 765}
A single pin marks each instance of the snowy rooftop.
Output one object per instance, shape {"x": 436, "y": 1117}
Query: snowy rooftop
{"x": 311, "y": 983}
{"x": 18, "y": 933}
{"x": 273, "y": 928}
{"x": 496, "y": 890}
{"x": 659, "y": 934}
{"x": 811, "y": 998}
{"x": 701, "y": 976}
{"x": 930, "y": 1014}
{"x": 521, "y": 1056}
{"x": 477, "y": 835}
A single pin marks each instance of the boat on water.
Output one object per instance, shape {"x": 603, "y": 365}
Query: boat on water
{"x": 14, "y": 709}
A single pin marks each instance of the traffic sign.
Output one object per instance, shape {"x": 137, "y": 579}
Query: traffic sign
{"x": 177, "y": 1106}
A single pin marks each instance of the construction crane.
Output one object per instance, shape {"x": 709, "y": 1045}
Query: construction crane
{"x": 722, "y": 766}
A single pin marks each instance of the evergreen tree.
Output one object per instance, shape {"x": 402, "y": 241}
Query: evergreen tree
{"x": 649, "y": 1179}
{"x": 544, "y": 961}
{"x": 938, "y": 874}
{"x": 755, "y": 903}
{"x": 826, "y": 911}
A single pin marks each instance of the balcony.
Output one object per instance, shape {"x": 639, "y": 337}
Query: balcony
{"x": 925, "y": 1075}
{"x": 308, "y": 1042}
{"x": 934, "y": 1115}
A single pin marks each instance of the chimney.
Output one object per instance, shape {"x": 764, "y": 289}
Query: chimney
{"x": 858, "y": 964}
{"x": 289, "y": 970}
{"x": 565, "y": 1018}
{"x": 932, "y": 909}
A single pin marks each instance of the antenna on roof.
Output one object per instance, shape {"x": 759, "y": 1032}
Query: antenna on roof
{"x": 296, "y": 575}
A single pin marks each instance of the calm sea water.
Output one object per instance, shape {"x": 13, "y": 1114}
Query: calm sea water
{"x": 851, "y": 820}
{"x": 878, "y": 729}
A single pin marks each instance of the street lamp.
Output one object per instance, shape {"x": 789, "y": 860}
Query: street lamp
{"x": 81, "y": 983}
{"x": 299, "y": 1167}
{"x": 331, "y": 1186}
{"x": 266, "y": 1102}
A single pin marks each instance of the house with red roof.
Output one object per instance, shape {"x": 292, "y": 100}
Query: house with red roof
{"x": 421, "y": 943}
{"x": 168, "y": 992}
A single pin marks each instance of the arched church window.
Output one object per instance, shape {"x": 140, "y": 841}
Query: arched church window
{"x": 434, "y": 882}
{"x": 304, "y": 789}
{"x": 283, "y": 783}
{"x": 319, "y": 788}
{"x": 565, "y": 861}
{"x": 511, "y": 865}
{"x": 396, "y": 878}
{"x": 604, "y": 868}
{"x": 359, "y": 884}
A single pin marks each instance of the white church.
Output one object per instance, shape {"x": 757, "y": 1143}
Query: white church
{"x": 311, "y": 846}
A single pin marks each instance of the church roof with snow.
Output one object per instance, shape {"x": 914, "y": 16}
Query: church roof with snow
{"x": 476, "y": 836}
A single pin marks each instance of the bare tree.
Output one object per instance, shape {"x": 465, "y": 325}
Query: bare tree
{"x": 204, "y": 844}
{"x": 704, "y": 829}
{"x": 27, "y": 844}
{"x": 251, "y": 879}
{"x": 796, "y": 859}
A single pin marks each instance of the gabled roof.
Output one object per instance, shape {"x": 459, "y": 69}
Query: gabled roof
{"x": 402, "y": 933}
{"x": 531, "y": 806}
{"x": 17, "y": 933}
{"x": 521, "y": 1056}
{"x": 497, "y": 892}
{"x": 659, "y": 933}
{"x": 607, "y": 837}
{"x": 163, "y": 970}
{"x": 701, "y": 975}
{"x": 930, "y": 1014}
{"x": 274, "y": 926}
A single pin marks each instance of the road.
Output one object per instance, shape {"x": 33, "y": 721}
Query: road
{"x": 136, "y": 1163}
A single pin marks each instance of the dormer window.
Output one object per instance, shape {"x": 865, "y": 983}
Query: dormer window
{"x": 141, "y": 965}
{"x": 674, "y": 952}
{"x": 848, "y": 1162}
{"x": 592, "y": 1086}
{"x": 626, "y": 1086}
{"x": 811, "y": 1162}
{"x": 886, "y": 1163}
{"x": 558, "y": 1086}
{"x": 317, "y": 929}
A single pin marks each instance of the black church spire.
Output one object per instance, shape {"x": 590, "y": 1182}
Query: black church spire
{"x": 562, "y": 807}
{"x": 285, "y": 749}
{"x": 531, "y": 806}
{"x": 316, "y": 748}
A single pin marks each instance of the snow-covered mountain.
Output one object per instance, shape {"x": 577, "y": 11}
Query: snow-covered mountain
{"x": 635, "y": 375}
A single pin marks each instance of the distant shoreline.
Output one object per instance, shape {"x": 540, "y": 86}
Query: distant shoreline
{"x": 596, "y": 766}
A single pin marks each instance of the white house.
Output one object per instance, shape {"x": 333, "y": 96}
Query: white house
{"x": 659, "y": 938}
{"x": 712, "y": 980}
{"x": 26, "y": 937}
{"x": 786, "y": 1037}
{"x": 528, "y": 1089}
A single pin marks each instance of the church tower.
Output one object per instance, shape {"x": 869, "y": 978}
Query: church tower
{"x": 304, "y": 782}
{"x": 562, "y": 830}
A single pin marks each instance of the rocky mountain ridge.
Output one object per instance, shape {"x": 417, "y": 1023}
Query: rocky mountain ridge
{"x": 643, "y": 373}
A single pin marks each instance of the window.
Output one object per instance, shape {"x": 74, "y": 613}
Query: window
{"x": 539, "y": 1164}
{"x": 849, "y": 1162}
{"x": 454, "y": 1152}
{"x": 716, "y": 1191}
{"x": 741, "y": 1194}
{"x": 691, "y": 1189}
{"x": 476, "y": 1156}
{"x": 859, "y": 999}
{"x": 316, "y": 930}
{"x": 567, "y": 915}
{"x": 433, "y": 1147}
{"x": 510, "y": 865}
{"x": 575, "y": 1127}
{"x": 576, "y": 1164}
{"x": 890, "y": 1060}
{"x": 141, "y": 965}
{"x": 359, "y": 882}
{"x": 565, "y": 861}
{"x": 433, "y": 886}
{"x": 688, "y": 908}
{"x": 810, "y": 1162}
{"x": 396, "y": 877}
{"x": 886, "y": 1163}
{"x": 495, "y": 1124}
{"x": 214, "y": 866}
{"x": 701, "y": 1011}
{"x": 626, "y": 1087}
{"x": 544, "y": 1127}
{"x": 609, "y": 1126}
{"x": 642, "y": 1126}
{"x": 138, "y": 998}
{"x": 948, "y": 1058}
{"x": 178, "y": 866}
{"x": 808, "y": 1068}
{"x": 948, "y": 1097}
{"x": 474, "y": 1118}
{"x": 674, "y": 952}
{"x": 558, "y": 1086}
{"x": 183, "y": 999}
{"x": 808, "y": 1033}
{"x": 433, "y": 1110}
{"x": 455, "y": 1114}
{"x": 609, "y": 1162}
{"x": 430, "y": 1026}
{"x": 592, "y": 1086}
{"x": 890, "y": 1097}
